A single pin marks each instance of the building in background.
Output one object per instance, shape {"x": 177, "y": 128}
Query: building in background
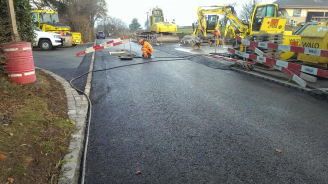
{"x": 301, "y": 11}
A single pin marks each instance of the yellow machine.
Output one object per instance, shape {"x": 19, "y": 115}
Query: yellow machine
{"x": 264, "y": 20}
{"x": 208, "y": 20}
{"x": 315, "y": 36}
{"x": 48, "y": 21}
{"x": 165, "y": 31}
{"x": 158, "y": 24}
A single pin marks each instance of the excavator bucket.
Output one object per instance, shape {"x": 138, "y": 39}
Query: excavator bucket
{"x": 194, "y": 41}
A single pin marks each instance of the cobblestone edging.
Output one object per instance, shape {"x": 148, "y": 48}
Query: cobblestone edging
{"x": 319, "y": 92}
{"x": 77, "y": 111}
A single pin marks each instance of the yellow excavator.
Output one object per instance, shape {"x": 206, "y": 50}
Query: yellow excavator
{"x": 164, "y": 31}
{"x": 264, "y": 20}
{"x": 48, "y": 21}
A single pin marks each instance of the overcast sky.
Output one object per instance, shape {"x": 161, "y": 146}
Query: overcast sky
{"x": 183, "y": 11}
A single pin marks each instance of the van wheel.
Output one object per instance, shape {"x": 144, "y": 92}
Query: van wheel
{"x": 45, "y": 45}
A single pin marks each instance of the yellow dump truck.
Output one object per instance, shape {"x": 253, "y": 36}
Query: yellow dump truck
{"x": 48, "y": 21}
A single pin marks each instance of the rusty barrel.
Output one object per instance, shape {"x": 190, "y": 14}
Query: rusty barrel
{"x": 19, "y": 62}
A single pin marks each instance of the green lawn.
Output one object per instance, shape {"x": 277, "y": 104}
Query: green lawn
{"x": 186, "y": 31}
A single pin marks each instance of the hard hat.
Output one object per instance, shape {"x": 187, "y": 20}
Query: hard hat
{"x": 216, "y": 29}
{"x": 140, "y": 41}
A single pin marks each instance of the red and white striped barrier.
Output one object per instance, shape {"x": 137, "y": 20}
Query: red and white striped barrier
{"x": 299, "y": 74}
{"x": 303, "y": 50}
{"x": 105, "y": 45}
{"x": 270, "y": 62}
{"x": 289, "y": 65}
{"x": 302, "y": 68}
{"x": 294, "y": 74}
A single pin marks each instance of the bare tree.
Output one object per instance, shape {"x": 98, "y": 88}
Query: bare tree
{"x": 39, "y": 5}
{"x": 113, "y": 25}
{"x": 247, "y": 9}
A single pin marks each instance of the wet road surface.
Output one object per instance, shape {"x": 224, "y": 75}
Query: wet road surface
{"x": 187, "y": 122}
{"x": 64, "y": 62}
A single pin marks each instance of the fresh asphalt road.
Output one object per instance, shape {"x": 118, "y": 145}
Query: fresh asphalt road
{"x": 180, "y": 121}
{"x": 64, "y": 62}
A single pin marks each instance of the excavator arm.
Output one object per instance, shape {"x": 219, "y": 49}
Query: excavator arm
{"x": 232, "y": 32}
{"x": 261, "y": 13}
{"x": 220, "y": 10}
{"x": 228, "y": 11}
{"x": 202, "y": 27}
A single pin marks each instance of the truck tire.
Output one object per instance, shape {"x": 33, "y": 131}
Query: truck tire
{"x": 45, "y": 45}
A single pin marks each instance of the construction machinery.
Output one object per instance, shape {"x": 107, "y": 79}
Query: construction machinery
{"x": 208, "y": 20}
{"x": 160, "y": 29}
{"x": 264, "y": 20}
{"x": 314, "y": 35}
{"x": 48, "y": 21}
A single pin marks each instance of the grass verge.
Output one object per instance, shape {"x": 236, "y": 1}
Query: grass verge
{"x": 34, "y": 130}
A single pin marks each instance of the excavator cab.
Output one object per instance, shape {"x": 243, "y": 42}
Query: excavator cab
{"x": 261, "y": 11}
{"x": 157, "y": 16}
{"x": 211, "y": 22}
{"x": 160, "y": 29}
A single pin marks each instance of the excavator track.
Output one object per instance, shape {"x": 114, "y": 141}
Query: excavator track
{"x": 157, "y": 38}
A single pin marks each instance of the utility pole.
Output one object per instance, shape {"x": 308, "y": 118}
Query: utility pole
{"x": 14, "y": 33}
{"x": 104, "y": 26}
{"x": 147, "y": 22}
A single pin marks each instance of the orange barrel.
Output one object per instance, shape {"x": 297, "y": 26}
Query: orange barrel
{"x": 19, "y": 64}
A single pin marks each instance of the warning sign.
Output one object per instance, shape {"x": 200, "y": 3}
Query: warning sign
{"x": 273, "y": 23}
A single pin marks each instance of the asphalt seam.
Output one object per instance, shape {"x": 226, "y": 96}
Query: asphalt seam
{"x": 87, "y": 93}
{"x": 70, "y": 171}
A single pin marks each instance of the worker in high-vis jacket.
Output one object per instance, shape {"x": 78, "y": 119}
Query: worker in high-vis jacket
{"x": 147, "y": 49}
{"x": 217, "y": 35}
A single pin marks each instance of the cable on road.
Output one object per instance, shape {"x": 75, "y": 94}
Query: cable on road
{"x": 90, "y": 105}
